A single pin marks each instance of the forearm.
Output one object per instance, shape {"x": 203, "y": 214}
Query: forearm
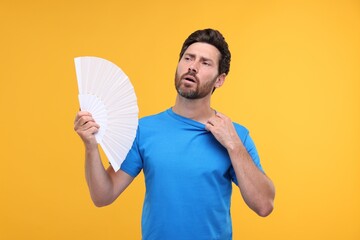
{"x": 97, "y": 178}
{"x": 99, "y": 181}
{"x": 256, "y": 188}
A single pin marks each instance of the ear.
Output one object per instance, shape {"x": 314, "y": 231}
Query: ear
{"x": 220, "y": 80}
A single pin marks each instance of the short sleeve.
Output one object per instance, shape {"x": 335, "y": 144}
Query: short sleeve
{"x": 251, "y": 148}
{"x": 133, "y": 163}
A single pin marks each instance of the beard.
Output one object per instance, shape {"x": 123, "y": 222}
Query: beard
{"x": 193, "y": 90}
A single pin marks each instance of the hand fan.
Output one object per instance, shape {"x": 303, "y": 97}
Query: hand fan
{"x": 107, "y": 93}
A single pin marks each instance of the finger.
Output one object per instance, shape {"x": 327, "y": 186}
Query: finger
{"x": 225, "y": 119}
{"x": 88, "y": 125}
{"x": 81, "y": 114}
{"x": 218, "y": 119}
{"x": 211, "y": 121}
{"x": 208, "y": 126}
{"x": 84, "y": 122}
{"x": 220, "y": 115}
{"x": 87, "y": 131}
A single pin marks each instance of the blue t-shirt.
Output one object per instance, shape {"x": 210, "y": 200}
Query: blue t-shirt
{"x": 188, "y": 177}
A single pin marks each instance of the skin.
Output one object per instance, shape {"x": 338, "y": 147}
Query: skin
{"x": 196, "y": 76}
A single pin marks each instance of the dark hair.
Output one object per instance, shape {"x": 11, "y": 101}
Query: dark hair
{"x": 215, "y": 38}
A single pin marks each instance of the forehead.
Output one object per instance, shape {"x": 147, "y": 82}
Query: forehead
{"x": 204, "y": 50}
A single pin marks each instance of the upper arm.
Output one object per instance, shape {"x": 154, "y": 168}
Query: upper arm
{"x": 120, "y": 180}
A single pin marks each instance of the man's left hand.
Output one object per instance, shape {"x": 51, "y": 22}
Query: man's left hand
{"x": 224, "y": 131}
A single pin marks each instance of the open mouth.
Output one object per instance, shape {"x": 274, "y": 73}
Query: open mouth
{"x": 190, "y": 78}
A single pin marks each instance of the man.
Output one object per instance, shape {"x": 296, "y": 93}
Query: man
{"x": 190, "y": 155}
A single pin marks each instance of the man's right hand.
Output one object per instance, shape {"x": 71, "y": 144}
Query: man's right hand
{"x": 86, "y": 127}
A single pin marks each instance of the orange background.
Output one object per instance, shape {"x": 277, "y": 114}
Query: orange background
{"x": 294, "y": 82}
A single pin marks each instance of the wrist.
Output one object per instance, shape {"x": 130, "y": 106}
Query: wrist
{"x": 91, "y": 148}
{"x": 234, "y": 148}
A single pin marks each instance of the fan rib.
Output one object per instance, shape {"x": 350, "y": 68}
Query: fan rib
{"x": 107, "y": 93}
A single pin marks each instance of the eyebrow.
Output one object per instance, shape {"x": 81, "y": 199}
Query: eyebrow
{"x": 202, "y": 58}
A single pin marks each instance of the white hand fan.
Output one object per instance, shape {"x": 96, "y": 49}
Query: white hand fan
{"x": 107, "y": 93}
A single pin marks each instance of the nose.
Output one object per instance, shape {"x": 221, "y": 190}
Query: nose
{"x": 193, "y": 68}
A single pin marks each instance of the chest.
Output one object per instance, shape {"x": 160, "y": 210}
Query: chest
{"x": 193, "y": 154}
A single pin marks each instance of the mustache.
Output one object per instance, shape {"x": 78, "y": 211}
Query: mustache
{"x": 190, "y": 75}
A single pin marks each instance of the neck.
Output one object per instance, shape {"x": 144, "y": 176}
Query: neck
{"x": 195, "y": 109}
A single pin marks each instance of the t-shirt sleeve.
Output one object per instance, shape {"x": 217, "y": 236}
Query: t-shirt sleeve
{"x": 133, "y": 163}
{"x": 251, "y": 148}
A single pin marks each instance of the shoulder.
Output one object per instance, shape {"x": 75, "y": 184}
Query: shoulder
{"x": 153, "y": 119}
{"x": 241, "y": 130}
{"x": 155, "y": 122}
{"x": 153, "y": 125}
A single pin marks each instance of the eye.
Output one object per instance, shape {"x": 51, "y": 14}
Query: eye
{"x": 187, "y": 58}
{"x": 206, "y": 63}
